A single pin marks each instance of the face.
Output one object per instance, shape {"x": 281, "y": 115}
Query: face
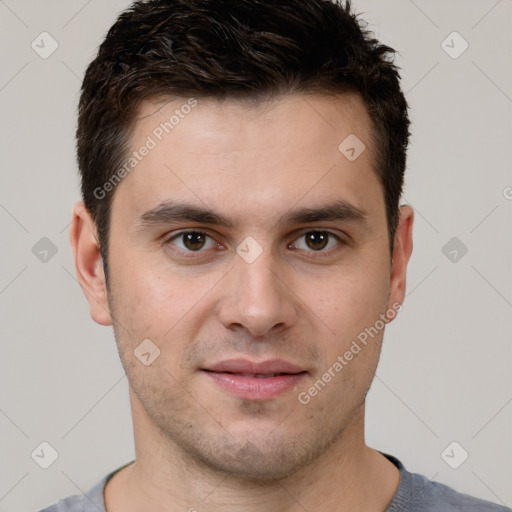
{"x": 245, "y": 244}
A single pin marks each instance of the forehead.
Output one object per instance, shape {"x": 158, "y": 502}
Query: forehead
{"x": 305, "y": 116}
{"x": 236, "y": 153}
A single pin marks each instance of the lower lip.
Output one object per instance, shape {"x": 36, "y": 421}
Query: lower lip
{"x": 252, "y": 388}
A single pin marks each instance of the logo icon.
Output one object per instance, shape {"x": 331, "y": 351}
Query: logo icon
{"x": 44, "y": 250}
{"x": 454, "y": 250}
{"x": 249, "y": 250}
{"x": 44, "y": 455}
{"x": 454, "y": 45}
{"x": 454, "y": 455}
{"x": 351, "y": 147}
{"x": 44, "y": 45}
{"x": 146, "y": 352}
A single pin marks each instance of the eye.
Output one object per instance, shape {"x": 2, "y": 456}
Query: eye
{"x": 194, "y": 241}
{"x": 316, "y": 241}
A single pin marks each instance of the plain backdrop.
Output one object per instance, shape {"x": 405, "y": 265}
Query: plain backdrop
{"x": 445, "y": 373}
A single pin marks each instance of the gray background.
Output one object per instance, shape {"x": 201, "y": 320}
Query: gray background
{"x": 445, "y": 369}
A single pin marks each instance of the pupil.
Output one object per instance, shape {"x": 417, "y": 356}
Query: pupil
{"x": 193, "y": 241}
{"x": 317, "y": 240}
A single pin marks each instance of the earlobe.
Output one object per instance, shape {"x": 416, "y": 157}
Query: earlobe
{"x": 401, "y": 254}
{"x": 89, "y": 264}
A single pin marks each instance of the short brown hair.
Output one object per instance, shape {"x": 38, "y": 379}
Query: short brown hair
{"x": 234, "y": 48}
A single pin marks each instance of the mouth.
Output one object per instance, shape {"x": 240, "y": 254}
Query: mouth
{"x": 255, "y": 381}
{"x": 255, "y": 375}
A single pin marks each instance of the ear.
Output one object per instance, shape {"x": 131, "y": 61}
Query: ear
{"x": 402, "y": 250}
{"x": 88, "y": 263}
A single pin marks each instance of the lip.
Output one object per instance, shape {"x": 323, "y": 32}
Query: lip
{"x": 237, "y": 377}
{"x": 263, "y": 367}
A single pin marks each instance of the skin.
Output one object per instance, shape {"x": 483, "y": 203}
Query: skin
{"x": 198, "y": 446}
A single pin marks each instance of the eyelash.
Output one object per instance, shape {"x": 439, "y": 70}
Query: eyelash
{"x": 189, "y": 253}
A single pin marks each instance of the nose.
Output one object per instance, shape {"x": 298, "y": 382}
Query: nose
{"x": 258, "y": 298}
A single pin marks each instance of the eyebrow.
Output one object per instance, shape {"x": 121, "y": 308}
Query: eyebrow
{"x": 168, "y": 212}
{"x": 336, "y": 211}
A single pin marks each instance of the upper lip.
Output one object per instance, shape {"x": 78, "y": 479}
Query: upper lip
{"x": 252, "y": 367}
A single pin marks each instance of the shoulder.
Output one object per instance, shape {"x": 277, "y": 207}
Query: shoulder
{"x": 437, "y": 497}
{"x": 92, "y": 501}
{"x": 416, "y": 493}
{"x": 69, "y": 504}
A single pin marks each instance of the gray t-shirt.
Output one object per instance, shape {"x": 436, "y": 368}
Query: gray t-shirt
{"x": 415, "y": 493}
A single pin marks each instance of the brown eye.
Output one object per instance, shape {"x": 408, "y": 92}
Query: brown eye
{"x": 192, "y": 241}
{"x": 316, "y": 241}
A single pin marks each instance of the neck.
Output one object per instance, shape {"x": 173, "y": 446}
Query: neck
{"x": 347, "y": 476}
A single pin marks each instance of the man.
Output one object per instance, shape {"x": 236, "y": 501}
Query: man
{"x": 242, "y": 164}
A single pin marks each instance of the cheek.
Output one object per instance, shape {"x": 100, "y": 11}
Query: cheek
{"x": 140, "y": 305}
{"x": 350, "y": 300}
{"x": 151, "y": 301}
